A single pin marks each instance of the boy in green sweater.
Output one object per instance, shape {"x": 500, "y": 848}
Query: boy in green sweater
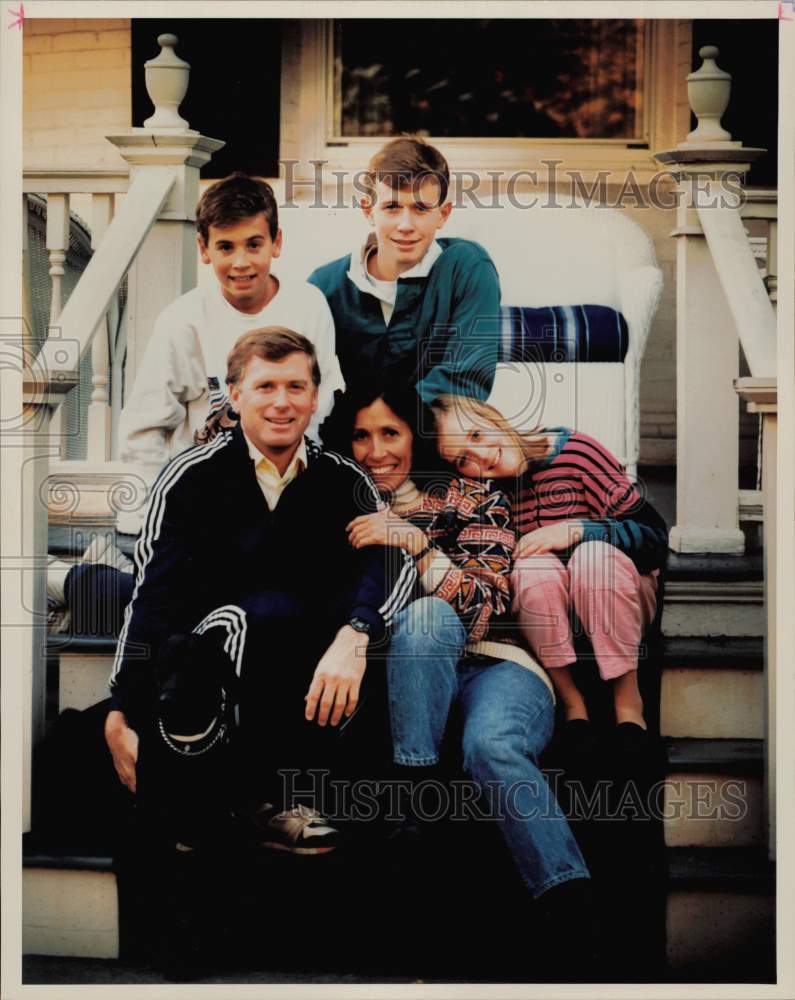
{"x": 409, "y": 305}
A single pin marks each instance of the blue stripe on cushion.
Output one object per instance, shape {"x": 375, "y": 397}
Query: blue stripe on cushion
{"x": 563, "y": 333}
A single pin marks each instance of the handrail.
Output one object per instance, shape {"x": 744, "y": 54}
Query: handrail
{"x": 112, "y": 180}
{"x": 105, "y": 272}
{"x": 742, "y": 285}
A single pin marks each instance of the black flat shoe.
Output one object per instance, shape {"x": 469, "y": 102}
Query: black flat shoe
{"x": 632, "y": 740}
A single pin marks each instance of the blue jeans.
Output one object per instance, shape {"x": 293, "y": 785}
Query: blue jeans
{"x": 508, "y": 720}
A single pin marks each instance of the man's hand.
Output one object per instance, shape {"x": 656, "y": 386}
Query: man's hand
{"x": 386, "y": 528}
{"x": 123, "y": 745}
{"x": 338, "y": 677}
{"x": 552, "y": 538}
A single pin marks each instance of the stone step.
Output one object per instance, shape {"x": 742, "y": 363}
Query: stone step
{"x": 712, "y": 688}
{"x": 720, "y": 915}
{"x": 713, "y": 794}
{"x": 720, "y": 911}
{"x": 713, "y": 567}
{"x": 69, "y": 905}
{"x": 713, "y": 608}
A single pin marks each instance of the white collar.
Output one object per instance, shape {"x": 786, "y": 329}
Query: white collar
{"x": 357, "y": 271}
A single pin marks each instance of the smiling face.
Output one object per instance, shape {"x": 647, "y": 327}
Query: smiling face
{"x": 241, "y": 256}
{"x": 382, "y": 444}
{"x": 406, "y": 223}
{"x": 276, "y": 400}
{"x": 478, "y": 449}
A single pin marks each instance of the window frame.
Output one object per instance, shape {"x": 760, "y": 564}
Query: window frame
{"x": 307, "y": 104}
{"x": 333, "y": 72}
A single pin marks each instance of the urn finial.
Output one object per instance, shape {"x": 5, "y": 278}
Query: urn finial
{"x": 708, "y": 91}
{"x": 166, "y": 83}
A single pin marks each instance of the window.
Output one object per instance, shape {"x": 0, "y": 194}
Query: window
{"x": 534, "y": 79}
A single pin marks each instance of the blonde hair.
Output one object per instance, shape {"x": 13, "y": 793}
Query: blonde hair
{"x": 532, "y": 444}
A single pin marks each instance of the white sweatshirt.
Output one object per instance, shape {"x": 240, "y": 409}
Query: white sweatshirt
{"x": 182, "y": 375}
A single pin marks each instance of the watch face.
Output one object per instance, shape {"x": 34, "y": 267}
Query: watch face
{"x": 359, "y": 625}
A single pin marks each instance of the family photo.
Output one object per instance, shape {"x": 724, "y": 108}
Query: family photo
{"x": 400, "y": 546}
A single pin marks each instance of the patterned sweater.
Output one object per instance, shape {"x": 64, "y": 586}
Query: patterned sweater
{"x": 581, "y": 480}
{"x": 470, "y": 527}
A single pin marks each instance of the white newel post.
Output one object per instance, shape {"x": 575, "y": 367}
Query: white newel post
{"x": 706, "y": 165}
{"x": 165, "y": 267}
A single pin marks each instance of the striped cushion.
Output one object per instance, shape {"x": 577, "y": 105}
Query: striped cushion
{"x": 563, "y": 333}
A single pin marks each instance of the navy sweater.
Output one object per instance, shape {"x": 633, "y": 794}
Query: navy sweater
{"x": 210, "y": 540}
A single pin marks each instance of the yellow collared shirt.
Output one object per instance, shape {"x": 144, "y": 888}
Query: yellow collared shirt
{"x": 270, "y": 481}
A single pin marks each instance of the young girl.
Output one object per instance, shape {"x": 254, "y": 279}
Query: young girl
{"x": 589, "y": 544}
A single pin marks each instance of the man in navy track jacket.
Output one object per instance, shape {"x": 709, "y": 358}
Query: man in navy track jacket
{"x": 248, "y": 630}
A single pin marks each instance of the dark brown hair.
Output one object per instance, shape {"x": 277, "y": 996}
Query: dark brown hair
{"x": 234, "y": 198}
{"x": 271, "y": 343}
{"x": 405, "y": 163}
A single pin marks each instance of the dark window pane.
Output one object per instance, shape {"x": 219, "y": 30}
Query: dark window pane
{"x": 749, "y": 51}
{"x": 235, "y": 70}
{"x": 501, "y": 78}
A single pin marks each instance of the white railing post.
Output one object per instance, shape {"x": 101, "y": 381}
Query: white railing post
{"x": 772, "y": 261}
{"x": 165, "y": 267}
{"x": 98, "y": 448}
{"x": 57, "y": 243}
{"x": 707, "y": 164}
{"x": 762, "y": 397}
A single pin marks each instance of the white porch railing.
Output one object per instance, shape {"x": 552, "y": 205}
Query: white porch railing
{"x": 721, "y": 297}
{"x": 143, "y": 225}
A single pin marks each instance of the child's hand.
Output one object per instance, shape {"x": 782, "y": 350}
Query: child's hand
{"x": 552, "y": 538}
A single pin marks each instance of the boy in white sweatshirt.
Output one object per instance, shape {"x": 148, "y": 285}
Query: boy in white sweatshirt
{"x": 181, "y": 378}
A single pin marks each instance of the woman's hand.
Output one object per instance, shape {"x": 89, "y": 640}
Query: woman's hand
{"x": 552, "y": 538}
{"x": 386, "y": 528}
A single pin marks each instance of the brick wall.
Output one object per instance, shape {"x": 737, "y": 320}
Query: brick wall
{"x": 76, "y": 89}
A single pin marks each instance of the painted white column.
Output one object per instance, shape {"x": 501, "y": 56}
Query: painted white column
{"x": 706, "y": 164}
{"x": 165, "y": 267}
{"x": 762, "y": 397}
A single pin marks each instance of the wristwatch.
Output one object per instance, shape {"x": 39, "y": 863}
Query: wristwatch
{"x": 360, "y": 625}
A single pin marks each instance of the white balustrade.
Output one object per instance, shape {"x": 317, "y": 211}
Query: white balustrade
{"x": 720, "y": 299}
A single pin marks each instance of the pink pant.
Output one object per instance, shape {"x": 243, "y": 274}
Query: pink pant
{"x": 602, "y": 587}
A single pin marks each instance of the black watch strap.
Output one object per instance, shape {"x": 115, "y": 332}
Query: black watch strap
{"x": 360, "y": 625}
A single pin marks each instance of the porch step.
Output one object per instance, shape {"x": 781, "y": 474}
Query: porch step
{"x": 84, "y": 665}
{"x": 713, "y": 608}
{"x": 712, "y": 688}
{"x": 720, "y": 915}
{"x": 719, "y": 911}
{"x": 713, "y": 794}
{"x": 69, "y": 904}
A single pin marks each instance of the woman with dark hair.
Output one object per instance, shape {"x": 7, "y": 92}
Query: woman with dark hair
{"x": 455, "y": 642}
